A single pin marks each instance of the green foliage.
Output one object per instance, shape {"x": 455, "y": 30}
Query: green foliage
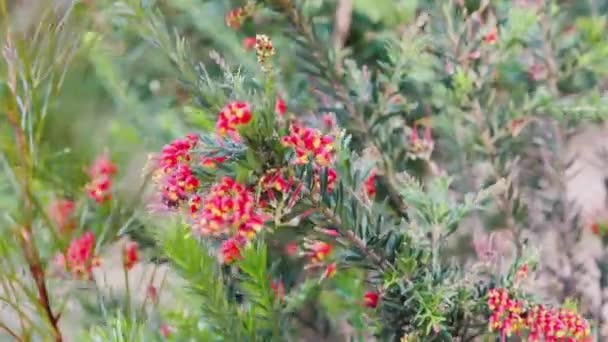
{"x": 200, "y": 270}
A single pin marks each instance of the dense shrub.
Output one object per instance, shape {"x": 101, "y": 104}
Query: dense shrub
{"x": 326, "y": 170}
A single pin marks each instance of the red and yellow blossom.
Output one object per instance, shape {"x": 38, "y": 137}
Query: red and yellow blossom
{"x": 231, "y": 249}
{"x": 317, "y": 251}
{"x": 310, "y": 143}
{"x": 232, "y": 116}
{"x": 228, "y": 208}
{"x": 235, "y": 18}
{"x": 509, "y": 316}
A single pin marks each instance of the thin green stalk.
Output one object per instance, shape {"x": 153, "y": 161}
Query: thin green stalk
{"x": 127, "y": 285}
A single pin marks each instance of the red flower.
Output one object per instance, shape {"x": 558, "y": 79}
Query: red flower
{"x": 232, "y": 116}
{"x": 332, "y": 176}
{"x": 421, "y": 148}
{"x": 370, "y": 185}
{"x": 80, "y": 258}
{"x": 100, "y": 173}
{"x": 249, "y": 43}
{"x": 370, "y": 299}
{"x": 130, "y": 255}
{"x": 212, "y": 162}
{"x": 317, "y": 251}
{"x": 492, "y": 36}
{"x": 102, "y": 166}
{"x": 230, "y": 250}
{"x": 522, "y": 272}
{"x": 165, "y": 330}
{"x": 280, "y": 107}
{"x": 60, "y": 213}
{"x": 330, "y": 271}
{"x": 291, "y": 248}
{"x": 235, "y": 18}
{"x": 329, "y": 122}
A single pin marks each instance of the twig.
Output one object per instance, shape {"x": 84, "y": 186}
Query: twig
{"x": 10, "y": 332}
{"x": 343, "y": 19}
{"x": 350, "y": 236}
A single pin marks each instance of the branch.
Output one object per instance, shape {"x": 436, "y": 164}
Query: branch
{"x": 343, "y": 19}
{"x": 350, "y": 236}
{"x": 10, "y": 332}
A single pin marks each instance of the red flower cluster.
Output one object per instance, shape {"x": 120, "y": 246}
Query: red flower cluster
{"x": 60, "y": 213}
{"x": 174, "y": 176}
{"x": 100, "y": 173}
{"x": 233, "y": 115}
{"x": 130, "y": 255}
{"x": 228, "y": 208}
{"x": 178, "y": 185}
{"x": 274, "y": 180}
{"x": 556, "y": 325}
{"x": 370, "y": 299}
{"x": 309, "y": 142}
{"x": 235, "y": 18}
{"x": 541, "y": 324}
{"x": 80, "y": 257}
{"x": 177, "y": 152}
{"x": 506, "y": 312}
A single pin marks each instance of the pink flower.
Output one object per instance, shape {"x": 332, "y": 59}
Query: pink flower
{"x": 249, "y": 43}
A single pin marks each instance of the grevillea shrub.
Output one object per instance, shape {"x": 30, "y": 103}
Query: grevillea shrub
{"x": 330, "y": 171}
